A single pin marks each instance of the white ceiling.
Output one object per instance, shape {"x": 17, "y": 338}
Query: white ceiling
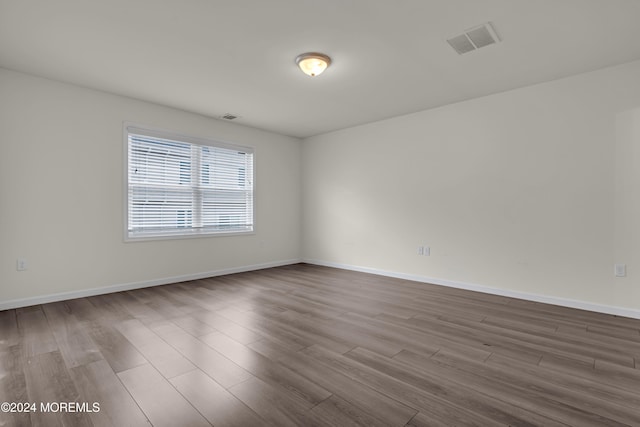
{"x": 389, "y": 57}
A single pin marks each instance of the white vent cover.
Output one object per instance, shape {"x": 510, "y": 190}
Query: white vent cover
{"x": 474, "y": 38}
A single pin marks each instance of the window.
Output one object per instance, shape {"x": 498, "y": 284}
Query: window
{"x": 183, "y": 186}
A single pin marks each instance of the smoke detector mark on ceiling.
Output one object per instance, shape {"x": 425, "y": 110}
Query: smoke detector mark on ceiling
{"x": 474, "y": 38}
{"x": 229, "y": 116}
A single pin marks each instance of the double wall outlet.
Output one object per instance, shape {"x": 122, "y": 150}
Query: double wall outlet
{"x": 424, "y": 250}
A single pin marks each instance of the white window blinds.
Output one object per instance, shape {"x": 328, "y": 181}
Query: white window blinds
{"x": 177, "y": 187}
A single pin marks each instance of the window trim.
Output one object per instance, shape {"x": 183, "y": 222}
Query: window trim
{"x": 131, "y": 127}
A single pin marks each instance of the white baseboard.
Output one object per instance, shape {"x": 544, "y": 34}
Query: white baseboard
{"x": 564, "y": 302}
{"x": 582, "y": 305}
{"x": 25, "y": 302}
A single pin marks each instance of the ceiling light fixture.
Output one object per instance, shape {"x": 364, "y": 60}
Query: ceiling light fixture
{"x": 313, "y": 63}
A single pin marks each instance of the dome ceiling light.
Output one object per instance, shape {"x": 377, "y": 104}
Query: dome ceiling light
{"x": 313, "y": 63}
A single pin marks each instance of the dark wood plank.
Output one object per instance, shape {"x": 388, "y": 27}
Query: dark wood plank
{"x": 271, "y": 372}
{"x": 9, "y": 335}
{"x": 82, "y": 309}
{"x": 262, "y": 323}
{"x": 226, "y": 326}
{"x": 193, "y": 326}
{"x": 35, "y": 333}
{"x": 108, "y": 308}
{"x": 114, "y": 347}
{"x": 97, "y": 382}
{"x": 376, "y": 403}
{"x": 422, "y": 420}
{"x": 517, "y": 323}
{"x": 159, "y": 400}
{"x": 565, "y": 405}
{"x": 167, "y": 307}
{"x": 627, "y": 334}
{"x": 617, "y": 372}
{"x": 549, "y": 342}
{"x": 131, "y": 302}
{"x": 423, "y": 394}
{"x": 13, "y": 387}
{"x": 587, "y": 370}
{"x": 215, "y": 403}
{"x": 316, "y": 331}
{"x": 273, "y": 406}
{"x": 311, "y": 345}
{"x": 48, "y": 382}
{"x": 477, "y": 338}
{"x": 336, "y": 411}
{"x": 164, "y": 357}
{"x": 608, "y": 343}
{"x": 74, "y": 343}
{"x": 592, "y": 388}
{"x": 218, "y": 367}
{"x": 411, "y": 334}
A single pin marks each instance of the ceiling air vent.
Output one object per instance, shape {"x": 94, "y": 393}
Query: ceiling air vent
{"x": 474, "y": 38}
{"x": 229, "y": 116}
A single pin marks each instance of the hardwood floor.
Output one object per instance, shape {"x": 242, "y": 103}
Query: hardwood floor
{"x": 305, "y": 345}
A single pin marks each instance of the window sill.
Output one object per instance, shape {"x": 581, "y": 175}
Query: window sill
{"x": 188, "y": 235}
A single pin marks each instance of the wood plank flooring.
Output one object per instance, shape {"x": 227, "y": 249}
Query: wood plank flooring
{"x": 305, "y": 345}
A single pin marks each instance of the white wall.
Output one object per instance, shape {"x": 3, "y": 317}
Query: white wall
{"x": 533, "y": 192}
{"x": 61, "y": 194}
{"x": 530, "y": 192}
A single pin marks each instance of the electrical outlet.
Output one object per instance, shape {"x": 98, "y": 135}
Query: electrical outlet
{"x": 424, "y": 250}
{"x": 620, "y": 270}
{"x": 21, "y": 264}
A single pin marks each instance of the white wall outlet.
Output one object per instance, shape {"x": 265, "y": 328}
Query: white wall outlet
{"x": 620, "y": 270}
{"x": 424, "y": 250}
{"x": 21, "y": 264}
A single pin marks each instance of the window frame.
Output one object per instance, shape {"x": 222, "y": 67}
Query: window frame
{"x": 188, "y": 233}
